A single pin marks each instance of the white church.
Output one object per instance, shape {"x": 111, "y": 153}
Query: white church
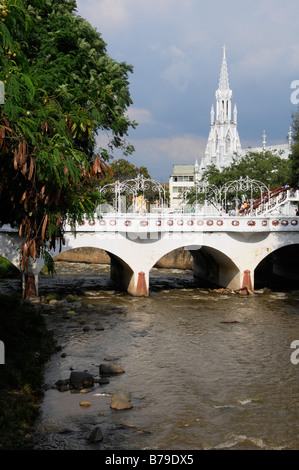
{"x": 223, "y": 142}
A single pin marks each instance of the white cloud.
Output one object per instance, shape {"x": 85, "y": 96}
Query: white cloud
{"x": 178, "y": 72}
{"x": 184, "y": 149}
{"x": 261, "y": 62}
{"x": 178, "y": 75}
{"x": 160, "y": 154}
{"x": 106, "y": 14}
{"x": 140, "y": 115}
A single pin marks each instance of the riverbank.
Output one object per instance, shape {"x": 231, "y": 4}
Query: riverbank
{"x": 28, "y": 346}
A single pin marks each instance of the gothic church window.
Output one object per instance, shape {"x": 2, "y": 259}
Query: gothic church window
{"x": 227, "y": 143}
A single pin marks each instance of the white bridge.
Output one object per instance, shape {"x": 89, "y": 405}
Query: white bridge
{"x": 226, "y": 249}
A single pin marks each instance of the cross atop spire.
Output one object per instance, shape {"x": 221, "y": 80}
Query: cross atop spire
{"x": 223, "y": 81}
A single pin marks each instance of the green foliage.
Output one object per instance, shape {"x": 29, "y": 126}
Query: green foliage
{"x": 124, "y": 170}
{"x": 295, "y": 126}
{"x": 28, "y": 345}
{"x": 7, "y": 269}
{"x": 294, "y": 157}
{"x": 72, "y": 63}
{"x": 61, "y": 89}
{"x": 294, "y": 163}
{"x": 49, "y": 263}
{"x": 266, "y": 167}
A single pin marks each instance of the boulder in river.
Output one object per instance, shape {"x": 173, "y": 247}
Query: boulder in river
{"x": 80, "y": 380}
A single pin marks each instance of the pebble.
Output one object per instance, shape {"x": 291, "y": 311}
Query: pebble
{"x": 85, "y": 404}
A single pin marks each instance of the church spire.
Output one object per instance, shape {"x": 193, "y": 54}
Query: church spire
{"x": 223, "y": 141}
{"x": 223, "y": 81}
{"x": 223, "y": 94}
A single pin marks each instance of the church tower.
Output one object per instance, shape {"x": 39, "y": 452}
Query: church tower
{"x": 223, "y": 139}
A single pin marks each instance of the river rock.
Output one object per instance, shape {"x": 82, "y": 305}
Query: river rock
{"x": 124, "y": 394}
{"x": 76, "y": 304}
{"x": 85, "y": 404}
{"x": 80, "y": 380}
{"x": 111, "y": 358}
{"x": 96, "y": 435}
{"x": 110, "y": 369}
{"x": 121, "y": 400}
{"x": 120, "y": 404}
{"x": 62, "y": 385}
{"x": 103, "y": 381}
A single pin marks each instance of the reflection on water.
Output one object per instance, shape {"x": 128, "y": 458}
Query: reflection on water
{"x": 205, "y": 370}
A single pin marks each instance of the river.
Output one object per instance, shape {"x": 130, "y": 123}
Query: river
{"x": 204, "y": 370}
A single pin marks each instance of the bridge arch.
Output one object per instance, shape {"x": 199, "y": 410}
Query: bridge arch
{"x": 122, "y": 270}
{"x": 209, "y": 264}
{"x": 216, "y": 267}
{"x": 279, "y": 269}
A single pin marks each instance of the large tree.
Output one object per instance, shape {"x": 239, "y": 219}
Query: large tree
{"x": 294, "y": 163}
{"x": 61, "y": 89}
{"x": 294, "y": 156}
{"x": 267, "y": 167}
{"x": 123, "y": 170}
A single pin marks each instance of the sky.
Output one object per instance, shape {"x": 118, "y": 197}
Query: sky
{"x": 176, "y": 49}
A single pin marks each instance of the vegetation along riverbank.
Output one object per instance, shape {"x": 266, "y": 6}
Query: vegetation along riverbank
{"x": 28, "y": 346}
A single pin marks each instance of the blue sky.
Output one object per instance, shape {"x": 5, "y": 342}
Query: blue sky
{"x": 175, "y": 47}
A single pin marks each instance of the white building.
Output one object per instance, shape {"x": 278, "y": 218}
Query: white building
{"x": 181, "y": 178}
{"x": 223, "y": 142}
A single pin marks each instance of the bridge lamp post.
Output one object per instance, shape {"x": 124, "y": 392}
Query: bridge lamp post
{"x": 244, "y": 186}
{"x": 118, "y": 189}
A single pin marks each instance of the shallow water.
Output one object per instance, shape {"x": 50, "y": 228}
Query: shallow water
{"x": 205, "y": 370}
